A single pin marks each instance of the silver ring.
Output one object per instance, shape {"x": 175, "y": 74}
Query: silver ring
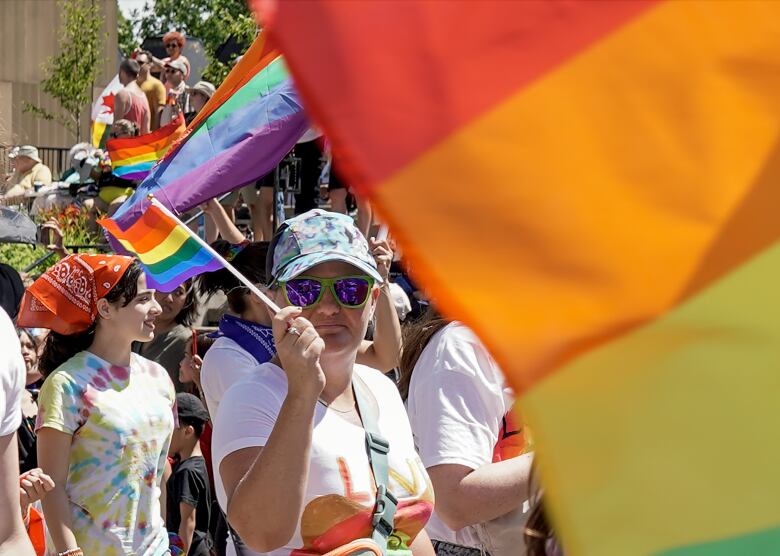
{"x": 294, "y": 331}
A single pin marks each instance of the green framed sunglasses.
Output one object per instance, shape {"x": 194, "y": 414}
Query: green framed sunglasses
{"x": 351, "y": 292}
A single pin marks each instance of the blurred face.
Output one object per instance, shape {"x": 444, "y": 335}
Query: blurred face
{"x": 135, "y": 321}
{"x": 174, "y": 76}
{"x": 182, "y": 435}
{"x": 173, "y": 49}
{"x": 198, "y": 100}
{"x": 30, "y": 356}
{"x": 188, "y": 366}
{"x": 171, "y": 303}
{"x": 24, "y": 164}
{"x": 342, "y": 328}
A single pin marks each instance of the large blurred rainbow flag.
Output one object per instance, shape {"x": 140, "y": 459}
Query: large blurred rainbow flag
{"x": 593, "y": 187}
{"x": 251, "y": 122}
{"x": 132, "y": 158}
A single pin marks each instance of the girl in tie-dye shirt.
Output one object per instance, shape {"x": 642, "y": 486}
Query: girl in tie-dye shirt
{"x": 105, "y": 414}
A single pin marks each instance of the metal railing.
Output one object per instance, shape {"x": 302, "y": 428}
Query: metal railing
{"x": 55, "y": 158}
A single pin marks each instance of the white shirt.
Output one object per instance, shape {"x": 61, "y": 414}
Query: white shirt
{"x": 12, "y": 376}
{"x": 224, "y": 364}
{"x": 457, "y": 400}
{"x": 340, "y": 492}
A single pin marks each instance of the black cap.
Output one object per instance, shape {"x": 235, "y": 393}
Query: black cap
{"x": 190, "y": 408}
{"x": 11, "y": 290}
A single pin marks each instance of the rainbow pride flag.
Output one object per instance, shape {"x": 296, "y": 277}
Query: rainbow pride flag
{"x": 251, "y": 122}
{"x": 132, "y": 158}
{"x": 617, "y": 167}
{"x": 168, "y": 253}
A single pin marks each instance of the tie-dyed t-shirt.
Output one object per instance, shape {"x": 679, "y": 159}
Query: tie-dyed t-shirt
{"x": 121, "y": 419}
{"x": 340, "y": 493}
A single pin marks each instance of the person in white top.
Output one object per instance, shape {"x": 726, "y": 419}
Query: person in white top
{"x": 458, "y": 406}
{"x": 13, "y": 538}
{"x": 289, "y": 441}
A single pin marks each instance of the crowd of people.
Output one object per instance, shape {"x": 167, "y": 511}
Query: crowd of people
{"x": 353, "y": 420}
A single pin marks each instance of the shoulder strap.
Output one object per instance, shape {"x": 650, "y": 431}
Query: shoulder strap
{"x": 377, "y": 448}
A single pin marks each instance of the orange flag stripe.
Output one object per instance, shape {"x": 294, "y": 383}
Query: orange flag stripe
{"x": 527, "y": 39}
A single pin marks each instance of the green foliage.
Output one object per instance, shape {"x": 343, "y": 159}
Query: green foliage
{"x": 70, "y": 74}
{"x": 76, "y": 230}
{"x": 212, "y": 21}
{"x": 20, "y": 256}
{"x": 125, "y": 36}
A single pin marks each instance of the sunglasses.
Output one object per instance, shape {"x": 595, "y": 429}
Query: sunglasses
{"x": 172, "y": 45}
{"x": 349, "y": 291}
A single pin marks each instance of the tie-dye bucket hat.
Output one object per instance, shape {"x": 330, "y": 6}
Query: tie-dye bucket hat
{"x": 316, "y": 237}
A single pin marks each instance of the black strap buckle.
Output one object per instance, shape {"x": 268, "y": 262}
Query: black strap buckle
{"x": 384, "y": 511}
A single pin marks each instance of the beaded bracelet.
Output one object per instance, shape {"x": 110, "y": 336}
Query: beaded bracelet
{"x": 72, "y": 552}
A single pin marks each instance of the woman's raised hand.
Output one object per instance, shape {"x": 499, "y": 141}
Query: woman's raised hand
{"x": 299, "y": 346}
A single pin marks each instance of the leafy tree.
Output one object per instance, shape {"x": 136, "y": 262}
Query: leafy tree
{"x": 71, "y": 74}
{"x": 212, "y": 21}
{"x": 125, "y": 35}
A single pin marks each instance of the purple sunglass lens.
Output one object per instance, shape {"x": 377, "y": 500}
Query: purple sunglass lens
{"x": 352, "y": 291}
{"x": 303, "y": 292}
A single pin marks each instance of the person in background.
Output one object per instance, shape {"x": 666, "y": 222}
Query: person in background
{"x": 28, "y": 454}
{"x": 460, "y": 411}
{"x": 28, "y": 170}
{"x": 130, "y": 102}
{"x": 199, "y": 94}
{"x": 172, "y": 335}
{"x": 106, "y": 414}
{"x": 189, "y": 496}
{"x": 152, "y": 87}
{"x": 176, "y": 100}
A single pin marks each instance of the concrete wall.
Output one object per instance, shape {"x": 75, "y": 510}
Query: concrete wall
{"x": 29, "y": 35}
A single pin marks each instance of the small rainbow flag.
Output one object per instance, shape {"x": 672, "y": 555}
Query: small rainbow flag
{"x": 132, "y": 158}
{"x": 168, "y": 252}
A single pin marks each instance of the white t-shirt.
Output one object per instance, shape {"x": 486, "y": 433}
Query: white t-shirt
{"x": 340, "y": 493}
{"x": 224, "y": 364}
{"x": 12, "y": 375}
{"x": 457, "y": 400}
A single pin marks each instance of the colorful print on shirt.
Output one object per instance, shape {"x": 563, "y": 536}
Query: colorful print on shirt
{"x": 121, "y": 419}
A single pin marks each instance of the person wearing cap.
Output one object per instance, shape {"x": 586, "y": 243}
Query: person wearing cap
{"x": 188, "y": 494}
{"x": 152, "y": 87}
{"x": 200, "y": 93}
{"x": 105, "y": 414}
{"x": 28, "y": 170}
{"x": 292, "y": 433}
{"x": 177, "y": 99}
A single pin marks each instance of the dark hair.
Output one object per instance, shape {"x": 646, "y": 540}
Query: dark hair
{"x": 538, "y": 529}
{"x": 130, "y": 67}
{"x": 203, "y": 341}
{"x": 61, "y": 347}
{"x": 190, "y": 310}
{"x": 196, "y": 424}
{"x": 415, "y": 338}
{"x": 250, "y": 262}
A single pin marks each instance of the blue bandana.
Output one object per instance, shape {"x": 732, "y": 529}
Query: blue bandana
{"x": 256, "y": 339}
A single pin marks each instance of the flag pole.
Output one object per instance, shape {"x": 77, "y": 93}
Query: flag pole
{"x": 229, "y": 267}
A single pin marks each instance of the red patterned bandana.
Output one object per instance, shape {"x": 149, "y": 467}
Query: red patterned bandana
{"x": 64, "y": 298}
